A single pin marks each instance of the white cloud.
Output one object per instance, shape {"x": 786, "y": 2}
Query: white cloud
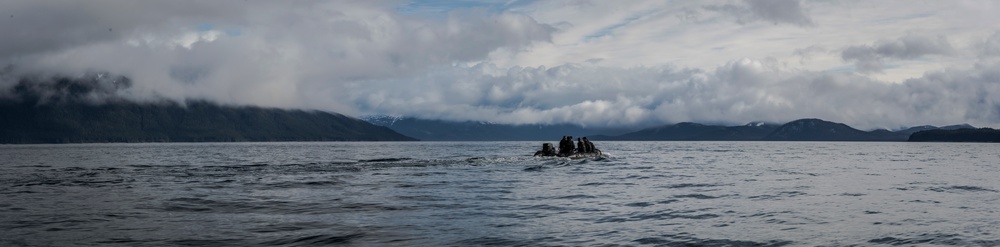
{"x": 872, "y": 58}
{"x": 283, "y": 55}
{"x": 740, "y": 91}
{"x": 774, "y": 11}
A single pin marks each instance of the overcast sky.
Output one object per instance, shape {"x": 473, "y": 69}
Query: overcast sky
{"x": 870, "y": 64}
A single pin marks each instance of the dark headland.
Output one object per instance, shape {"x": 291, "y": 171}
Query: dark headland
{"x": 957, "y": 135}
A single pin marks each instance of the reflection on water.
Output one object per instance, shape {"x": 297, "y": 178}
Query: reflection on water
{"x": 484, "y": 193}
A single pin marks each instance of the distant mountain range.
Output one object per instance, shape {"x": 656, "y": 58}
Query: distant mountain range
{"x": 440, "y": 130}
{"x": 75, "y": 110}
{"x": 809, "y": 129}
{"x": 697, "y": 132}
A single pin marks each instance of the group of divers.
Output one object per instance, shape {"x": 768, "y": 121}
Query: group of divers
{"x": 567, "y": 148}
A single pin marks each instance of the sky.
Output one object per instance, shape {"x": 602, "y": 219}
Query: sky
{"x": 867, "y": 63}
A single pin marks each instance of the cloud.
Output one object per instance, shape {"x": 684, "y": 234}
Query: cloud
{"x": 257, "y": 52}
{"x": 989, "y": 47}
{"x": 872, "y": 58}
{"x": 738, "y": 92}
{"x": 91, "y": 88}
{"x": 774, "y": 11}
{"x": 808, "y": 52}
{"x": 49, "y": 26}
{"x": 597, "y": 63}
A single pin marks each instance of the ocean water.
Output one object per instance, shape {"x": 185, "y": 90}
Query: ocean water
{"x": 494, "y": 193}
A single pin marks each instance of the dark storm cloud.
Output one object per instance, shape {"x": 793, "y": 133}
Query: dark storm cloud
{"x": 873, "y": 58}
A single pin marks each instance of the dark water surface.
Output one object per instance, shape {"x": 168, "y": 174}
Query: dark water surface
{"x": 492, "y": 193}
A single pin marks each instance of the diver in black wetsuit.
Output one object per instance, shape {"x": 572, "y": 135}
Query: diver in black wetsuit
{"x": 562, "y": 146}
{"x": 570, "y": 146}
{"x": 581, "y": 147}
{"x": 547, "y": 150}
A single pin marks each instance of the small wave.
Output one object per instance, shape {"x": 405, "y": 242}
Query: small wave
{"x": 300, "y": 184}
{"x": 371, "y": 207}
{"x": 199, "y": 205}
{"x": 960, "y": 188}
{"x": 33, "y": 166}
{"x": 660, "y": 216}
{"x": 475, "y": 159}
{"x": 544, "y": 207}
{"x": 491, "y": 241}
{"x": 321, "y": 239}
{"x": 578, "y": 196}
{"x": 933, "y": 239}
{"x": 40, "y": 182}
{"x": 853, "y": 194}
{"x": 682, "y": 240}
{"x": 423, "y": 174}
{"x": 600, "y": 183}
{"x": 97, "y": 183}
{"x": 384, "y": 160}
{"x": 206, "y": 242}
{"x": 422, "y": 198}
{"x": 780, "y": 195}
{"x": 238, "y": 166}
{"x": 127, "y": 241}
{"x": 639, "y": 204}
{"x": 287, "y": 227}
{"x": 689, "y": 185}
{"x": 534, "y": 168}
{"x": 668, "y": 201}
{"x": 698, "y": 196}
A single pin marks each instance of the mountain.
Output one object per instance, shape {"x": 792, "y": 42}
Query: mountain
{"x": 812, "y": 129}
{"x": 958, "y": 127}
{"x": 73, "y": 110}
{"x": 698, "y": 132}
{"x": 957, "y": 135}
{"x": 798, "y": 130}
{"x": 441, "y": 130}
{"x": 911, "y": 130}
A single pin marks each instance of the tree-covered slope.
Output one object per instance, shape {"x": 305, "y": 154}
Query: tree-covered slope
{"x": 700, "y": 132}
{"x": 66, "y": 110}
{"x": 957, "y": 135}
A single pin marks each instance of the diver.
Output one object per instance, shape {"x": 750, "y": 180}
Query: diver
{"x": 570, "y": 146}
{"x": 562, "y": 145}
{"x": 547, "y": 150}
{"x": 590, "y": 145}
{"x": 581, "y": 147}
